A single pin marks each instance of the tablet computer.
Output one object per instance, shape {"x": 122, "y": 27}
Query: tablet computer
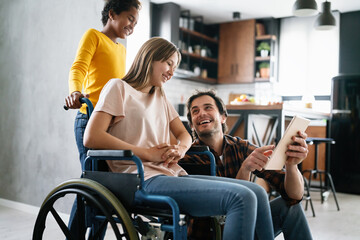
{"x": 278, "y": 157}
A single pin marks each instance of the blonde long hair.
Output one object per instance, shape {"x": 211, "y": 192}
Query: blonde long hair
{"x": 154, "y": 49}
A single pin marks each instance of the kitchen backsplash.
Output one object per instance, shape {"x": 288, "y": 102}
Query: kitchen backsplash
{"x": 179, "y": 90}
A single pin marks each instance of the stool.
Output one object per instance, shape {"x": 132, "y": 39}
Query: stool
{"x": 307, "y": 196}
{"x": 314, "y": 172}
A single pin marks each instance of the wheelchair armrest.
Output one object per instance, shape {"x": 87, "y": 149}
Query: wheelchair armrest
{"x": 93, "y": 156}
{"x": 110, "y": 153}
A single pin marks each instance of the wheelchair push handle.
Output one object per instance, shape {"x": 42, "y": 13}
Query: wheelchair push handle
{"x": 89, "y": 105}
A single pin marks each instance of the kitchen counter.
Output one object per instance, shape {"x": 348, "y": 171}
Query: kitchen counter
{"x": 288, "y": 110}
{"x": 276, "y": 113}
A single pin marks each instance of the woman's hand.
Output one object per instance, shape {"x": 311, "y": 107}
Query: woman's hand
{"x": 72, "y": 101}
{"x": 166, "y": 153}
{"x": 173, "y": 154}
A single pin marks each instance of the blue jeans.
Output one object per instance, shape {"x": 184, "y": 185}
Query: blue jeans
{"x": 244, "y": 203}
{"x": 290, "y": 220}
{"x": 81, "y": 121}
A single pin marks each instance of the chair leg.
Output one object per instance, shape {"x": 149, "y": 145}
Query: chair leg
{"x": 333, "y": 190}
{"x": 308, "y": 197}
{"x": 310, "y": 177}
{"x": 322, "y": 186}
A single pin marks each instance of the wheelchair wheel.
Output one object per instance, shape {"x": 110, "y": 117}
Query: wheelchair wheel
{"x": 89, "y": 194}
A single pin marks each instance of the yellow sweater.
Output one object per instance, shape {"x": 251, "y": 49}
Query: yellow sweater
{"x": 98, "y": 59}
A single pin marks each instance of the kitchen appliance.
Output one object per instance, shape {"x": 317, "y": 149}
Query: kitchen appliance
{"x": 345, "y": 130}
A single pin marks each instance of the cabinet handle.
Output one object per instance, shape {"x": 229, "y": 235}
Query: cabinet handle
{"x": 232, "y": 69}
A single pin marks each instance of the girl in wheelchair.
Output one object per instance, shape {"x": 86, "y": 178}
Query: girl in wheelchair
{"x": 133, "y": 113}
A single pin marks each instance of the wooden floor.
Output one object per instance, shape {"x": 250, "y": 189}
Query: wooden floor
{"x": 329, "y": 224}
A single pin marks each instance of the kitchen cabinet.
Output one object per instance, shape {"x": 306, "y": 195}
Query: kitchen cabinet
{"x": 267, "y": 31}
{"x": 197, "y": 42}
{"x": 199, "y": 49}
{"x": 267, "y": 59}
{"x": 236, "y": 52}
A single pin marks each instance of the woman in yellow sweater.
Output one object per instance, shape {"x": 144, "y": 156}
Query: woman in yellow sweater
{"x": 99, "y": 58}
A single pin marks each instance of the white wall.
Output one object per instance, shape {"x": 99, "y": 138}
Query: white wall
{"x": 140, "y": 35}
{"x": 38, "y": 42}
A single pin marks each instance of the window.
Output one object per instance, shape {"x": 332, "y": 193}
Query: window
{"x": 308, "y": 58}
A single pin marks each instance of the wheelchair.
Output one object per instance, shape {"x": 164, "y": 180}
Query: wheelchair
{"x": 106, "y": 198}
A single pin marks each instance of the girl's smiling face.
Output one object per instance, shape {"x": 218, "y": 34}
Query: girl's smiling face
{"x": 124, "y": 23}
{"x": 162, "y": 71}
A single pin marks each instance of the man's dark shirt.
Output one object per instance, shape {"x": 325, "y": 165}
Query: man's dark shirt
{"x": 235, "y": 151}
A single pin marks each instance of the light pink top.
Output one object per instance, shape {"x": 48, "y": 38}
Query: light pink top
{"x": 140, "y": 119}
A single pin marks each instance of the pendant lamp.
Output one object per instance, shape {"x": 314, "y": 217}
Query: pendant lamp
{"x": 305, "y": 8}
{"x": 325, "y": 21}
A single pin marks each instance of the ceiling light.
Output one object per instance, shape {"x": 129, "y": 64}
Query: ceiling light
{"x": 305, "y": 8}
{"x": 325, "y": 20}
{"x": 236, "y": 15}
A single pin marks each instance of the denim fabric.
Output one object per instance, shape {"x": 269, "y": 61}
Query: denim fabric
{"x": 290, "y": 220}
{"x": 81, "y": 121}
{"x": 244, "y": 203}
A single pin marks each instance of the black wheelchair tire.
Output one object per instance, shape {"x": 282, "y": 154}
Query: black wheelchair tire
{"x": 94, "y": 194}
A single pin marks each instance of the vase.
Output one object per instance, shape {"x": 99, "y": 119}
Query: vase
{"x": 264, "y": 53}
{"x": 264, "y": 72}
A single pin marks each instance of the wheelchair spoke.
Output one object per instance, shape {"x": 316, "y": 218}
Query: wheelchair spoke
{"x": 81, "y": 216}
{"x": 100, "y": 230}
{"x": 61, "y": 223}
{"x": 97, "y": 208}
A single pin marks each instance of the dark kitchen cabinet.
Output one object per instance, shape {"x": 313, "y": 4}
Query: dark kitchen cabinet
{"x": 197, "y": 41}
{"x": 199, "y": 48}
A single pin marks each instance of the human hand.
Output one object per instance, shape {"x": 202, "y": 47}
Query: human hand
{"x": 165, "y": 153}
{"x": 298, "y": 150}
{"x": 152, "y": 154}
{"x": 172, "y": 154}
{"x": 258, "y": 158}
{"x": 72, "y": 101}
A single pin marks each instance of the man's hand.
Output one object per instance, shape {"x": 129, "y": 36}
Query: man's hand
{"x": 297, "y": 151}
{"x": 255, "y": 161}
{"x": 72, "y": 101}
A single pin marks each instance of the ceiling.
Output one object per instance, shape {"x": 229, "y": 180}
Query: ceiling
{"x": 217, "y": 11}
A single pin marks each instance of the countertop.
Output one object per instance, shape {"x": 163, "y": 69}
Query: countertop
{"x": 287, "y": 110}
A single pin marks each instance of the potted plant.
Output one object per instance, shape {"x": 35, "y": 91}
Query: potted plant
{"x": 264, "y": 69}
{"x": 264, "y": 49}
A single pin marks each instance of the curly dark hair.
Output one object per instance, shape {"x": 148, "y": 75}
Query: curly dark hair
{"x": 219, "y": 103}
{"x": 118, "y": 6}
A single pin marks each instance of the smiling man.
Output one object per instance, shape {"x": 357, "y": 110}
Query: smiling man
{"x": 238, "y": 158}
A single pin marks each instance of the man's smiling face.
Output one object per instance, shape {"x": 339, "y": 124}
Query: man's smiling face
{"x": 205, "y": 116}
